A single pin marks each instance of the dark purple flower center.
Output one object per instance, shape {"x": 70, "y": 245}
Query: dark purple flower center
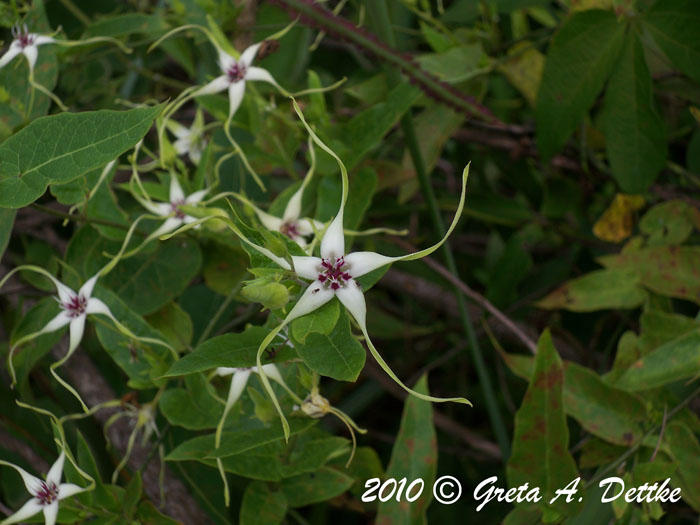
{"x": 175, "y": 206}
{"x": 48, "y": 493}
{"x": 22, "y": 35}
{"x": 75, "y": 306}
{"x": 333, "y": 273}
{"x": 290, "y": 229}
{"x": 236, "y": 72}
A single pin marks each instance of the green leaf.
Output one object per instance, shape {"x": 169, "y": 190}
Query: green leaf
{"x": 580, "y": 59}
{"x": 667, "y": 270}
{"x": 7, "y": 221}
{"x": 323, "y": 485}
{"x": 367, "y": 128}
{"x": 670, "y": 222}
{"x": 174, "y": 323}
{"x": 634, "y": 132}
{"x": 140, "y": 361}
{"x": 587, "y": 399}
{"x": 145, "y": 282}
{"x": 262, "y": 505}
{"x": 599, "y": 290}
{"x": 59, "y": 148}
{"x": 676, "y": 360}
{"x": 231, "y": 350}
{"x": 127, "y": 24}
{"x": 540, "y": 454}
{"x": 685, "y": 450}
{"x": 234, "y": 442}
{"x": 193, "y": 408}
{"x": 414, "y": 456}
{"x": 675, "y": 25}
{"x": 338, "y": 355}
{"x": 320, "y": 321}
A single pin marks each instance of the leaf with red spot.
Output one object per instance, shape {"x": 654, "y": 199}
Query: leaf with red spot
{"x": 414, "y": 456}
{"x": 540, "y": 454}
{"x": 668, "y": 270}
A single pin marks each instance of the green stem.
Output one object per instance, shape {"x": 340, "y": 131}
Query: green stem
{"x": 380, "y": 17}
{"x": 77, "y": 218}
{"x": 76, "y": 12}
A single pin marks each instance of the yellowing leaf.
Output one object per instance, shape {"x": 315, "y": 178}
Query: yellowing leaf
{"x": 524, "y": 69}
{"x": 616, "y": 223}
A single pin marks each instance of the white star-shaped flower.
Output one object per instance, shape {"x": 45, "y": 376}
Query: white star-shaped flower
{"x": 175, "y": 216}
{"x": 45, "y": 494}
{"x": 235, "y": 73}
{"x": 25, "y": 43}
{"x": 190, "y": 141}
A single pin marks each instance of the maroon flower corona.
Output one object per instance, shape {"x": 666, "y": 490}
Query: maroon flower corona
{"x": 22, "y": 35}
{"x": 333, "y": 273}
{"x": 175, "y": 207}
{"x": 236, "y": 72}
{"x": 290, "y": 229}
{"x": 48, "y": 493}
{"x": 75, "y": 306}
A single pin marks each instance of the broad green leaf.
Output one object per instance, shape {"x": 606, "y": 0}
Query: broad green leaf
{"x": 540, "y": 454}
{"x": 323, "y": 485}
{"x": 338, "y": 355}
{"x": 320, "y": 321}
{"x": 599, "y": 290}
{"x": 140, "y": 361}
{"x": 675, "y": 25}
{"x": 59, "y": 148}
{"x": 667, "y": 270}
{"x": 524, "y": 69}
{"x": 7, "y": 221}
{"x": 414, "y": 456}
{"x": 224, "y": 267}
{"x": 580, "y": 59}
{"x": 658, "y": 328}
{"x": 231, "y": 350}
{"x": 457, "y": 64}
{"x": 262, "y": 505}
{"x": 174, "y": 323}
{"x": 587, "y": 399}
{"x": 634, "y": 132}
{"x": 670, "y": 222}
{"x": 235, "y": 442}
{"x": 127, "y": 24}
{"x": 365, "y": 465}
{"x": 367, "y": 128}
{"x": 676, "y": 360}
{"x": 193, "y": 407}
{"x": 145, "y": 282}
{"x": 685, "y": 450}
{"x": 491, "y": 207}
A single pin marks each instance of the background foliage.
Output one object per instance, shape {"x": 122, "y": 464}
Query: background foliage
{"x": 579, "y": 245}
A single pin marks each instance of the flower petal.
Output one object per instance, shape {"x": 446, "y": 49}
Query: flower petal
{"x": 314, "y": 297}
{"x": 170, "y": 224}
{"x": 361, "y": 263}
{"x": 66, "y": 490}
{"x": 9, "y": 55}
{"x": 238, "y": 383}
{"x": 258, "y": 74}
{"x": 50, "y": 513}
{"x": 333, "y": 242}
{"x": 176, "y": 193}
{"x": 225, "y": 371}
{"x": 306, "y": 267}
{"x": 249, "y": 53}
{"x": 226, "y": 61}
{"x": 58, "y": 322}
{"x": 77, "y": 328}
{"x": 27, "y": 510}
{"x": 217, "y": 85}
{"x": 270, "y": 370}
{"x": 306, "y": 226}
{"x": 56, "y": 470}
{"x": 40, "y": 40}
{"x": 293, "y": 209}
{"x": 31, "y": 52}
{"x": 87, "y": 288}
{"x": 354, "y": 300}
{"x": 95, "y": 306}
{"x": 269, "y": 221}
{"x": 196, "y": 197}
{"x": 235, "y": 96}
{"x": 182, "y": 145}
{"x": 32, "y": 483}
